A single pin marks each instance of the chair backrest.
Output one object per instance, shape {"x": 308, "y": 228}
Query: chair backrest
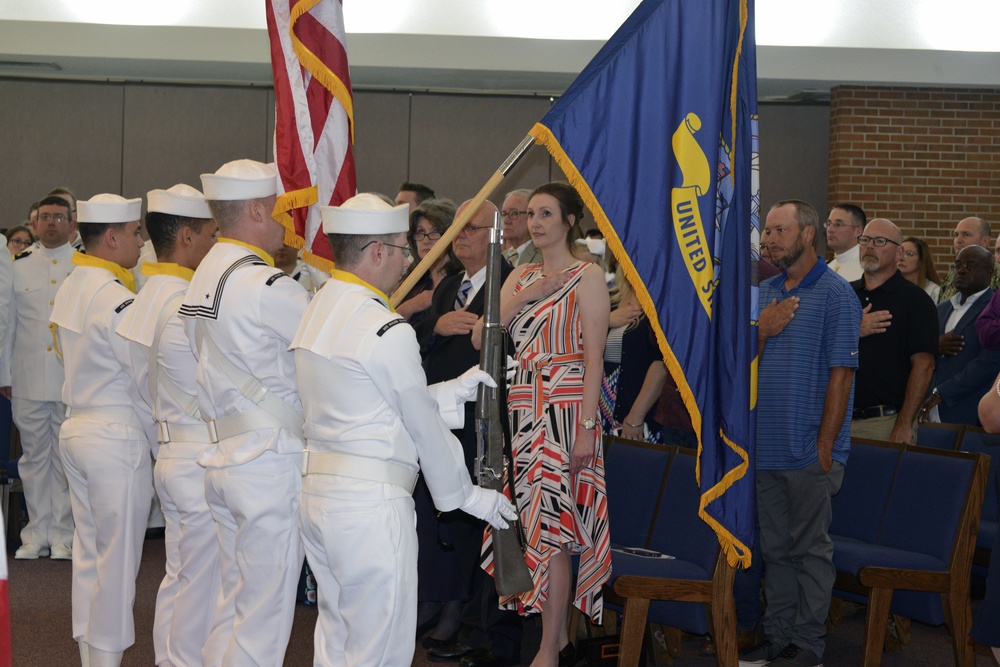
{"x": 859, "y": 507}
{"x": 940, "y": 436}
{"x": 677, "y": 529}
{"x": 634, "y": 473}
{"x": 979, "y": 441}
{"x": 927, "y": 501}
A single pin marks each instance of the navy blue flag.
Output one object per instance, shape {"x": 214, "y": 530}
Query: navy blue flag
{"x": 659, "y": 136}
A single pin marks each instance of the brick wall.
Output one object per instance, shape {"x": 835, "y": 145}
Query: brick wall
{"x": 922, "y": 157}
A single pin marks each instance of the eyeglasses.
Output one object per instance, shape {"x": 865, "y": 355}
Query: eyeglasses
{"x": 472, "y": 229}
{"x": 837, "y": 225}
{"x": 57, "y": 217}
{"x": 420, "y": 235}
{"x": 405, "y": 249}
{"x": 877, "y": 241}
{"x": 20, "y": 243}
{"x": 512, "y": 214}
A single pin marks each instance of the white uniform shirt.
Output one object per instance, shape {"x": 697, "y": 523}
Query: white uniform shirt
{"x": 174, "y": 356}
{"x": 365, "y": 393}
{"x": 88, "y": 309}
{"x": 251, "y": 310}
{"x": 31, "y": 367}
{"x": 848, "y": 264}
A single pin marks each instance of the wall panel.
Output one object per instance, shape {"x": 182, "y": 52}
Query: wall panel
{"x": 458, "y": 141}
{"x": 173, "y": 134}
{"x": 53, "y": 134}
{"x": 381, "y": 140}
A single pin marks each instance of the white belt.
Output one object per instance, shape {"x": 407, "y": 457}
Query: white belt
{"x": 358, "y": 467}
{"x": 244, "y": 422}
{"x": 167, "y": 433}
{"x": 114, "y": 415}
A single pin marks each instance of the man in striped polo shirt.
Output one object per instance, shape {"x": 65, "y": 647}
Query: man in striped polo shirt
{"x": 808, "y": 351}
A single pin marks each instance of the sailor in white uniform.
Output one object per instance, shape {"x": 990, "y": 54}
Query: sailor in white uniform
{"x": 32, "y": 372}
{"x": 370, "y": 423}
{"x": 104, "y": 449}
{"x": 180, "y": 227}
{"x": 240, "y": 314}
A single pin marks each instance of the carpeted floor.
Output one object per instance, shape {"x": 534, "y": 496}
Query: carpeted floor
{"x": 40, "y": 626}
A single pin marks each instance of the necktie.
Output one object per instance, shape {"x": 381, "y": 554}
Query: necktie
{"x": 510, "y": 254}
{"x": 463, "y": 294}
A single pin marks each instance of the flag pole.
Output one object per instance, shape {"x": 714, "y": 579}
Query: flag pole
{"x": 456, "y": 227}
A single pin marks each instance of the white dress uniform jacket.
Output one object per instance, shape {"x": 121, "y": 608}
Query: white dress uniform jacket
{"x": 250, "y": 311}
{"x": 185, "y": 602}
{"x": 31, "y": 367}
{"x": 105, "y": 453}
{"x": 365, "y": 394}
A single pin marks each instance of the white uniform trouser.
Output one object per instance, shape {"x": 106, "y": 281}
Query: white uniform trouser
{"x": 361, "y": 542}
{"x": 50, "y": 516}
{"x": 110, "y": 483}
{"x": 255, "y": 507}
{"x": 189, "y": 592}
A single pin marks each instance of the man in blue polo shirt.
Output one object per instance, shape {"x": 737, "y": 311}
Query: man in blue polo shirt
{"x": 808, "y": 338}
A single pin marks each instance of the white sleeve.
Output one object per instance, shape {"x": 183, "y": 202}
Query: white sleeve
{"x": 394, "y": 367}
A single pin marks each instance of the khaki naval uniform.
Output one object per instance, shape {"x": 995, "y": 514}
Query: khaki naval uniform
{"x": 241, "y": 313}
{"x": 105, "y": 453}
{"x": 31, "y": 367}
{"x": 366, "y": 401}
{"x": 185, "y": 602}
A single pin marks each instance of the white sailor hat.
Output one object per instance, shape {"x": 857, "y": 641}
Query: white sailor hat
{"x": 365, "y": 213}
{"x": 181, "y": 199}
{"x": 109, "y": 209}
{"x": 240, "y": 180}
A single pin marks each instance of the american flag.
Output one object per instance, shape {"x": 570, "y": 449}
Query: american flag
{"x": 314, "y": 119}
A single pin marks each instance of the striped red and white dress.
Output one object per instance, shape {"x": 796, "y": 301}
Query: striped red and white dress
{"x": 544, "y": 403}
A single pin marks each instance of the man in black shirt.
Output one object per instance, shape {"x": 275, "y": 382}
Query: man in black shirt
{"x": 899, "y": 337}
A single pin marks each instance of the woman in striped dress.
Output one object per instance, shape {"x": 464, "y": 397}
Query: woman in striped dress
{"x": 557, "y": 313}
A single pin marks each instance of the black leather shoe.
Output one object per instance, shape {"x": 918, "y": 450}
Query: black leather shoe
{"x": 484, "y": 658}
{"x": 449, "y": 653}
{"x": 429, "y": 642}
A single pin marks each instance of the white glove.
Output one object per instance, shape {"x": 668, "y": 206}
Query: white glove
{"x": 510, "y": 369}
{"x": 466, "y": 384}
{"x": 490, "y": 506}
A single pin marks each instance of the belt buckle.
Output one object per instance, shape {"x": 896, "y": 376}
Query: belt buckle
{"x": 213, "y": 433}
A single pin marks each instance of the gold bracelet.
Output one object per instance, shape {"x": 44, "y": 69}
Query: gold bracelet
{"x": 998, "y": 385}
{"x": 640, "y": 425}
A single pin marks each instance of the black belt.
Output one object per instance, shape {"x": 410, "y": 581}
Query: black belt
{"x": 875, "y": 411}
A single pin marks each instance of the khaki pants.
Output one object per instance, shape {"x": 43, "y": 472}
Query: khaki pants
{"x": 877, "y": 428}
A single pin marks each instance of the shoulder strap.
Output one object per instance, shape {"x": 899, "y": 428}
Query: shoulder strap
{"x": 248, "y": 385}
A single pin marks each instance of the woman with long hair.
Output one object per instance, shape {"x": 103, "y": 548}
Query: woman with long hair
{"x": 557, "y": 314}
{"x": 917, "y": 266}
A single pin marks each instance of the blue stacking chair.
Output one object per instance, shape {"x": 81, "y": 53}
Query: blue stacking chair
{"x": 979, "y": 441}
{"x": 693, "y": 591}
{"x": 940, "y": 436}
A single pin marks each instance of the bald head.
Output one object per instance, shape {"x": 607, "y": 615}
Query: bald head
{"x": 471, "y": 246}
{"x": 879, "y": 261}
{"x": 884, "y": 227}
{"x": 482, "y": 217}
{"x": 971, "y": 231}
